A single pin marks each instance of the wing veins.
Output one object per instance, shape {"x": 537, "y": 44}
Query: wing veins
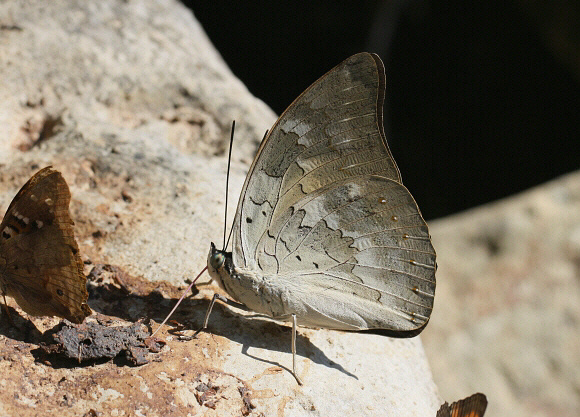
{"x": 322, "y": 166}
{"x": 331, "y": 105}
{"x": 396, "y": 271}
{"x": 307, "y": 147}
{"x": 396, "y": 247}
{"x": 361, "y": 164}
{"x": 328, "y": 214}
{"x": 395, "y": 228}
{"x": 382, "y": 292}
{"x": 377, "y": 212}
{"x": 310, "y": 231}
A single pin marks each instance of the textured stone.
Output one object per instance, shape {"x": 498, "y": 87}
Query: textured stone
{"x": 507, "y": 312}
{"x": 131, "y": 102}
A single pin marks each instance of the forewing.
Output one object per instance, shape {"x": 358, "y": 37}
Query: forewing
{"x": 473, "y": 406}
{"x": 332, "y": 131}
{"x": 40, "y": 265}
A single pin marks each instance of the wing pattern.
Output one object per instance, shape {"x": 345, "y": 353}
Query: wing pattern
{"x": 473, "y": 406}
{"x": 324, "y": 215}
{"x": 40, "y": 265}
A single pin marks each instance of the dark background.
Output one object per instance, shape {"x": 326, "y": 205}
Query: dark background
{"x": 481, "y": 101}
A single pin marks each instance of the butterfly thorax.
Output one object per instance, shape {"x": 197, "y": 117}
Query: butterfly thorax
{"x": 245, "y": 286}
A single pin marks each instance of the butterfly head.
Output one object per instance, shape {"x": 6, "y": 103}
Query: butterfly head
{"x": 217, "y": 258}
{"x": 219, "y": 264}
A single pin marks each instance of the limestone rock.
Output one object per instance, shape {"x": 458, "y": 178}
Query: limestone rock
{"x": 129, "y": 100}
{"x": 507, "y": 311}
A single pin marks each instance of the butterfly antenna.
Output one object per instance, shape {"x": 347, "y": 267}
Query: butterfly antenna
{"x": 232, "y": 229}
{"x": 179, "y": 301}
{"x": 227, "y": 187}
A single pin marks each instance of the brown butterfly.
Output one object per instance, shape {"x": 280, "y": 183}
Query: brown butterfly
{"x": 473, "y": 406}
{"x": 40, "y": 265}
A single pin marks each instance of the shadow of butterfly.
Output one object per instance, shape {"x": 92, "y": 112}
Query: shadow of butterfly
{"x": 325, "y": 233}
{"x": 40, "y": 265}
{"x": 473, "y": 406}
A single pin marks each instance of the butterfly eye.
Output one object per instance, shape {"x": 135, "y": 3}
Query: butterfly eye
{"x": 217, "y": 260}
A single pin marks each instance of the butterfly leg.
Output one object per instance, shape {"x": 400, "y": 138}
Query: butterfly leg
{"x": 5, "y": 309}
{"x": 294, "y": 350}
{"x": 223, "y": 300}
{"x": 232, "y": 303}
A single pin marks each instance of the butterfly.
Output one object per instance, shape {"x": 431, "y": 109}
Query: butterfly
{"x": 473, "y": 406}
{"x": 40, "y": 265}
{"x": 325, "y": 234}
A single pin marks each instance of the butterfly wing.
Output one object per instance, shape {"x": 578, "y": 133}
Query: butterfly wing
{"x": 324, "y": 211}
{"x": 473, "y": 406}
{"x": 331, "y": 125}
{"x": 40, "y": 265}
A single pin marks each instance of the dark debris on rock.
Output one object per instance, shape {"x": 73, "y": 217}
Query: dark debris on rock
{"x": 94, "y": 341}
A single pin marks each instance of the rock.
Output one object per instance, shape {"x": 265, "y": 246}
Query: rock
{"x": 133, "y": 105}
{"x": 93, "y": 341}
{"x": 507, "y": 312}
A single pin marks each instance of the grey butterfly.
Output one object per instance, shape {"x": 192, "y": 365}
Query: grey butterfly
{"x": 325, "y": 234}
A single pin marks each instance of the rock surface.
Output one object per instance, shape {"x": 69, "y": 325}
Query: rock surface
{"x": 507, "y": 312}
{"x": 131, "y": 102}
{"x": 133, "y": 105}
